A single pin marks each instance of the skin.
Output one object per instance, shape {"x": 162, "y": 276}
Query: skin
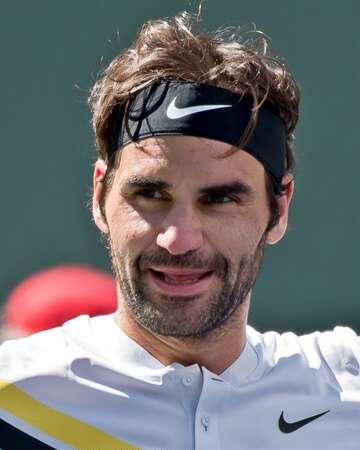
{"x": 183, "y": 220}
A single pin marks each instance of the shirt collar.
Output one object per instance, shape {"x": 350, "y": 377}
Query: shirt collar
{"x": 112, "y": 346}
{"x": 242, "y": 369}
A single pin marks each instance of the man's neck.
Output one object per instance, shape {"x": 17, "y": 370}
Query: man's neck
{"x": 216, "y": 351}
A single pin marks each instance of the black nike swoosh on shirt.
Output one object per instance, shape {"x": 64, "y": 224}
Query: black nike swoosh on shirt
{"x": 287, "y": 427}
{"x": 12, "y": 438}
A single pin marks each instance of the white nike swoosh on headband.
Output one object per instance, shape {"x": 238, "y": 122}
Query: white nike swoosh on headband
{"x": 173, "y": 112}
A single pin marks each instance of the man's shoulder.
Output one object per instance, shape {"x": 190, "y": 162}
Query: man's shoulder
{"x": 334, "y": 353}
{"x": 340, "y": 340}
{"x": 46, "y": 351}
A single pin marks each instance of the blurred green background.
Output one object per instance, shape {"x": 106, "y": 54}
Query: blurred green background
{"x": 51, "y": 53}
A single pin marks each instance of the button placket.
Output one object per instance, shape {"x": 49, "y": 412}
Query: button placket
{"x": 187, "y": 383}
{"x": 206, "y": 419}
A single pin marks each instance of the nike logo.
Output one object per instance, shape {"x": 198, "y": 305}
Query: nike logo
{"x": 287, "y": 427}
{"x": 173, "y": 112}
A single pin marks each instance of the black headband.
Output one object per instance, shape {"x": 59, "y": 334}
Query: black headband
{"x": 172, "y": 107}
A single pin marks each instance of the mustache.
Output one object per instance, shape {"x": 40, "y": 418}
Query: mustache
{"x": 190, "y": 260}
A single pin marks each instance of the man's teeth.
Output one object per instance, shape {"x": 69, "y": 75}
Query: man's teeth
{"x": 175, "y": 280}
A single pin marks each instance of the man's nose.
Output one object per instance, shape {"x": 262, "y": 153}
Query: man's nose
{"x": 181, "y": 231}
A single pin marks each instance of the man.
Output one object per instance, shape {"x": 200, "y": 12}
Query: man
{"x": 193, "y": 181}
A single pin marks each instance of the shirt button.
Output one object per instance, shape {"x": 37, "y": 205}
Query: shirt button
{"x": 205, "y": 420}
{"x": 187, "y": 380}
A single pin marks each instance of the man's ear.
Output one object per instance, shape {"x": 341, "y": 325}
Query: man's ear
{"x": 98, "y": 176}
{"x": 277, "y": 232}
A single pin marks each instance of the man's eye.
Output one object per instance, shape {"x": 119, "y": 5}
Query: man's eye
{"x": 218, "y": 199}
{"x": 150, "y": 194}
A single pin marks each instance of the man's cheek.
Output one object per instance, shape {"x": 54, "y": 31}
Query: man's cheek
{"x": 139, "y": 230}
{"x": 127, "y": 225}
{"x": 242, "y": 245}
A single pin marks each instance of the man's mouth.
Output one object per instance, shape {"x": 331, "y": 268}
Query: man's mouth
{"x": 180, "y": 281}
{"x": 183, "y": 278}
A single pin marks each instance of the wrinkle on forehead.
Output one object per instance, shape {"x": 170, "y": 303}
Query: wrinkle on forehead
{"x": 187, "y": 154}
{"x": 158, "y": 147}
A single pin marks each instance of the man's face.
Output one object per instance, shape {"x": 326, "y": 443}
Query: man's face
{"x": 186, "y": 226}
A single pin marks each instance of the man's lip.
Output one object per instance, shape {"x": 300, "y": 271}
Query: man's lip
{"x": 180, "y": 271}
{"x": 200, "y": 282}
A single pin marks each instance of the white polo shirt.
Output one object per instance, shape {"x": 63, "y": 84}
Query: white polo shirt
{"x": 88, "y": 386}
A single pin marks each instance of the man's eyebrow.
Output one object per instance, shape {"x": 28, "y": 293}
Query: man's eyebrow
{"x": 234, "y": 187}
{"x": 138, "y": 182}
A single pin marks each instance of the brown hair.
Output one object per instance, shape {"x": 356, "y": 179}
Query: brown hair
{"x": 174, "y": 49}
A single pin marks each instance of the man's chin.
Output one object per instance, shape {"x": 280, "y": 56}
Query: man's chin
{"x": 177, "y": 316}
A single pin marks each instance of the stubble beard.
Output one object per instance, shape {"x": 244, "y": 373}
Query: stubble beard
{"x": 167, "y": 317}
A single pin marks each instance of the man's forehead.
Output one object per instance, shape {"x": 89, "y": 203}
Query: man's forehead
{"x": 171, "y": 146}
{"x": 187, "y": 155}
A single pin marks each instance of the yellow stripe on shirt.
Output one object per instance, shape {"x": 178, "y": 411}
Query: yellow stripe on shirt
{"x": 58, "y": 425}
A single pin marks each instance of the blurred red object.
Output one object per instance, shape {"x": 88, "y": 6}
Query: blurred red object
{"x": 52, "y": 296}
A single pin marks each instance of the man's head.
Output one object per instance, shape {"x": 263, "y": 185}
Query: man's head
{"x": 187, "y": 217}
